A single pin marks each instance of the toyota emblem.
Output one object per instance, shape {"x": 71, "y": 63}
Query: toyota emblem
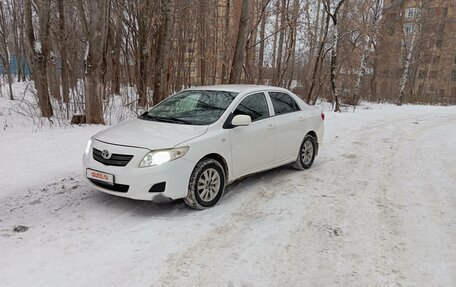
{"x": 106, "y": 154}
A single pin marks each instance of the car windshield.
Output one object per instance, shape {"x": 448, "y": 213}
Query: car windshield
{"x": 191, "y": 107}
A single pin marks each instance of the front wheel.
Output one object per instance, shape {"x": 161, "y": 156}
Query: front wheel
{"x": 206, "y": 185}
{"x": 307, "y": 152}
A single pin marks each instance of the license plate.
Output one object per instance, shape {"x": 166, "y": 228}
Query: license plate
{"x": 100, "y": 176}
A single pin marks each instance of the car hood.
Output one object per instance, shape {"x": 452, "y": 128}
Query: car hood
{"x": 149, "y": 134}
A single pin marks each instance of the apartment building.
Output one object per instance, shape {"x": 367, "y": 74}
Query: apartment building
{"x": 418, "y": 44}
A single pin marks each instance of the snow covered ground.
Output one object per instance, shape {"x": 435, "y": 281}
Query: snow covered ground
{"x": 378, "y": 208}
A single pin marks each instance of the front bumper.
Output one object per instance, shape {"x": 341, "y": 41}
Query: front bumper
{"x": 176, "y": 174}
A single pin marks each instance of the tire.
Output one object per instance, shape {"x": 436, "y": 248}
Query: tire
{"x": 206, "y": 185}
{"x": 306, "y": 154}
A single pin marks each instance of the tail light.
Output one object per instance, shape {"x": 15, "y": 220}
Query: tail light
{"x": 322, "y": 116}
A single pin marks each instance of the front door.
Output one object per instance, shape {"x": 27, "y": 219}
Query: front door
{"x": 253, "y": 146}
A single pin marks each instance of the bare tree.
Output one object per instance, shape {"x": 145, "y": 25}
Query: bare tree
{"x": 408, "y": 60}
{"x": 63, "y": 52}
{"x": 143, "y": 18}
{"x": 162, "y": 59}
{"x": 319, "y": 60}
{"x": 38, "y": 44}
{"x": 239, "y": 51}
{"x": 4, "y": 51}
{"x": 318, "y": 48}
{"x": 263, "y": 20}
{"x": 370, "y": 29}
{"x": 334, "y": 51}
{"x": 95, "y": 20}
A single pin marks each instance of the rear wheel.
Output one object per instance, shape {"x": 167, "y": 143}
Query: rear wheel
{"x": 206, "y": 185}
{"x": 307, "y": 152}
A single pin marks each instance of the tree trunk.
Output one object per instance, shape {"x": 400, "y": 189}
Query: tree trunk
{"x": 262, "y": 45}
{"x": 142, "y": 79}
{"x": 39, "y": 70}
{"x": 39, "y": 51}
{"x": 4, "y": 52}
{"x": 318, "y": 62}
{"x": 162, "y": 62}
{"x": 334, "y": 51}
{"x": 96, "y": 33}
{"x": 405, "y": 74}
{"x": 276, "y": 30}
{"x": 7, "y": 67}
{"x": 54, "y": 85}
{"x": 94, "y": 91}
{"x": 290, "y": 47}
{"x": 142, "y": 56}
{"x": 226, "y": 46}
{"x": 279, "y": 56}
{"x": 249, "y": 61}
{"x": 361, "y": 73}
{"x": 116, "y": 56}
{"x": 10, "y": 83}
{"x": 239, "y": 51}
{"x": 63, "y": 53}
{"x": 167, "y": 44}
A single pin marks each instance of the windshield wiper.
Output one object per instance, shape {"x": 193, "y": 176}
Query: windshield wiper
{"x": 164, "y": 119}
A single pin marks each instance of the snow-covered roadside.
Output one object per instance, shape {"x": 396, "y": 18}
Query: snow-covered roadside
{"x": 35, "y": 150}
{"x": 377, "y": 209}
{"x": 35, "y": 159}
{"x": 34, "y": 155}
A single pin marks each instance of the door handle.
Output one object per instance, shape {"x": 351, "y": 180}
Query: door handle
{"x": 271, "y": 127}
{"x": 301, "y": 119}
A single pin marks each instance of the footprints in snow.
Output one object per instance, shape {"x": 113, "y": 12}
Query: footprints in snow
{"x": 326, "y": 228}
{"x": 16, "y": 207}
{"x": 20, "y": 228}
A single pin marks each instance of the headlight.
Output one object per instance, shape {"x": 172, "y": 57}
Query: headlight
{"x": 89, "y": 145}
{"x": 158, "y": 157}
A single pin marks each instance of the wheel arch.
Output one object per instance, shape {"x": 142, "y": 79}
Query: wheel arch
{"x": 221, "y": 160}
{"x": 314, "y": 134}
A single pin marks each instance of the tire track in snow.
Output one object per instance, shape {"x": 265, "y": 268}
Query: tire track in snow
{"x": 428, "y": 212}
{"x": 348, "y": 229}
{"x": 200, "y": 263}
{"x": 329, "y": 238}
{"x": 211, "y": 247}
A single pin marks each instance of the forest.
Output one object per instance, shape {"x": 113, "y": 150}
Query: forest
{"x": 81, "y": 53}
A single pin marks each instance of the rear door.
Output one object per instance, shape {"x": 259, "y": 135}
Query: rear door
{"x": 253, "y": 147}
{"x": 290, "y": 122}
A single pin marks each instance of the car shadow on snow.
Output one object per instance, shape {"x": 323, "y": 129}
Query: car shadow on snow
{"x": 71, "y": 197}
{"x": 71, "y": 201}
{"x": 235, "y": 192}
{"x": 137, "y": 207}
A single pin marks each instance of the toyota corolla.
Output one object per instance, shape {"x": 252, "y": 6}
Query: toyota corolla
{"x": 194, "y": 143}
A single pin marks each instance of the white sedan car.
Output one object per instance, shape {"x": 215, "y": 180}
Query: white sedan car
{"x": 194, "y": 143}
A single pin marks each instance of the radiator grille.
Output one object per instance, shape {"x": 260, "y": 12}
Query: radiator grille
{"x": 114, "y": 160}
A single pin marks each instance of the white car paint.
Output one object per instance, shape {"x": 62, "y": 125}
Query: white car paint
{"x": 149, "y": 134}
{"x": 243, "y": 150}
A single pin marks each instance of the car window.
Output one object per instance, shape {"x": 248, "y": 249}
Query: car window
{"x": 255, "y": 106}
{"x": 283, "y": 103}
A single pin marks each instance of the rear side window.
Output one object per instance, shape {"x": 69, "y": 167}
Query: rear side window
{"x": 255, "y": 106}
{"x": 283, "y": 103}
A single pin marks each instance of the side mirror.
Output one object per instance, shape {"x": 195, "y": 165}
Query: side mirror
{"x": 241, "y": 120}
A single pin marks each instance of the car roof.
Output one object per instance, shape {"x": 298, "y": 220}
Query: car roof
{"x": 236, "y": 88}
